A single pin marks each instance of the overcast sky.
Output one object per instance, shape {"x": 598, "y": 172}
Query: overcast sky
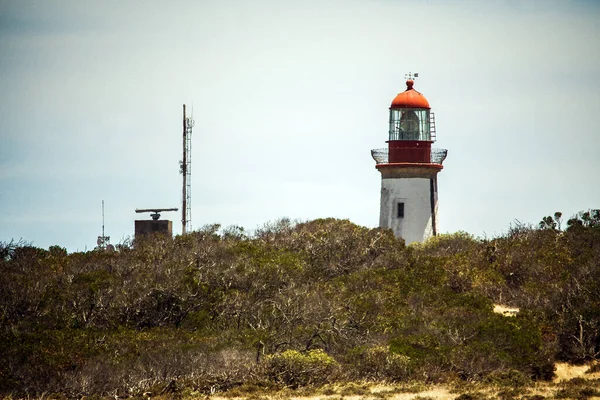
{"x": 289, "y": 97}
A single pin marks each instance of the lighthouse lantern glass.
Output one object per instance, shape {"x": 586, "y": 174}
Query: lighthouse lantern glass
{"x": 409, "y": 124}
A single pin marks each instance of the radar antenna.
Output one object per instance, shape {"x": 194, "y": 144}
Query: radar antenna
{"x": 155, "y": 212}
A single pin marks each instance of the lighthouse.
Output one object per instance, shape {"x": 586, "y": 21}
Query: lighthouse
{"x": 409, "y": 167}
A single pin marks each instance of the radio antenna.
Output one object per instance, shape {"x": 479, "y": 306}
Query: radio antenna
{"x": 186, "y": 170}
{"x": 103, "y": 241}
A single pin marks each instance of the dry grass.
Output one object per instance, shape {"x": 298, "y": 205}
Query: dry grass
{"x": 371, "y": 391}
{"x": 570, "y": 382}
{"x": 566, "y": 372}
{"x": 377, "y": 392}
{"x": 355, "y": 391}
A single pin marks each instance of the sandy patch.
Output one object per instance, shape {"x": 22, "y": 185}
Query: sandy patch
{"x": 507, "y": 311}
{"x": 565, "y": 372}
{"x": 437, "y": 393}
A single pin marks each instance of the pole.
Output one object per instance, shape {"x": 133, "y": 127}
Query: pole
{"x": 184, "y": 173}
{"x": 102, "y": 219}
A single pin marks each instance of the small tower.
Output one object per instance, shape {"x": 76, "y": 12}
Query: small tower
{"x": 409, "y": 168}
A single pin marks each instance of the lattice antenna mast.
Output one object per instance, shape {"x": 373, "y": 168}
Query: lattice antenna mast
{"x": 186, "y": 172}
{"x": 103, "y": 241}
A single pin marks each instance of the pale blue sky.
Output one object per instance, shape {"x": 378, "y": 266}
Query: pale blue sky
{"x": 289, "y": 98}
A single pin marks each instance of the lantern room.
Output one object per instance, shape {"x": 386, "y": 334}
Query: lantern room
{"x": 410, "y": 129}
{"x": 410, "y": 116}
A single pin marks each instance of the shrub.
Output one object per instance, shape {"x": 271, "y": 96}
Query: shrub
{"x": 511, "y": 377}
{"x": 293, "y": 368}
{"x": 203, "y": 308}
{"x": 354, "y": 389}
{"x": 511, "y": 393}
{"x": 472, "y": 396}
{"x": 378, "y": 363}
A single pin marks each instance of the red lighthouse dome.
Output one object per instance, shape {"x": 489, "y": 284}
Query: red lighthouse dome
{"x": 410, "y": 98}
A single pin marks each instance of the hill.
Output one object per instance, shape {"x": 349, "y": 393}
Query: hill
{"x": 301, "y": 304}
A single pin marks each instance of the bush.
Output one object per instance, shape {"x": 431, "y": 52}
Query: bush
{"x": 511, "y": 378}
{"x": 293, "y": 368}
{"x": 472, "y": 396}
{"x": 378, "y": 363}
{"x": 202, "y": 309}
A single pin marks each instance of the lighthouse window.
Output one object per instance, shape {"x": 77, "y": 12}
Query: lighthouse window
{"x": 409, "y": 124}
{"x": 400, "y": 210}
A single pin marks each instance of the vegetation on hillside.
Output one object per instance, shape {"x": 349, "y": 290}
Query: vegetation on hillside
{"x": 298, "y": 304}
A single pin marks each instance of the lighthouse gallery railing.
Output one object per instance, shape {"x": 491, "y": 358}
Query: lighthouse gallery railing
{"x": 437, "y": 156}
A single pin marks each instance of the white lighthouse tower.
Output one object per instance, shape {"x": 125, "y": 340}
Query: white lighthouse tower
{"x": 409, "y": 168}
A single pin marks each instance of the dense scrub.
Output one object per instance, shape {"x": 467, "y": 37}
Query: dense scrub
{"x": 296, "y": 304}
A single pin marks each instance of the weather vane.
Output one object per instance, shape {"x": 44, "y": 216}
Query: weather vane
{"x": 411, "y": 76}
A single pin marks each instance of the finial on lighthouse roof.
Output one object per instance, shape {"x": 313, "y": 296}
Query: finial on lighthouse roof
{"x": 410, "y": 79}
{"x": 410, "y": 98}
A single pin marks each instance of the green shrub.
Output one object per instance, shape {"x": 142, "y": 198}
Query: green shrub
{"x": 510, "y": 378}
{"x": 203, "y": 308}
{"x": 378, "y": 363}
{"x": 472, "y": 396}
{"x": 293, "y": 368}
{"x": 511, "y": 393}
{"x": 354, "y": 389}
